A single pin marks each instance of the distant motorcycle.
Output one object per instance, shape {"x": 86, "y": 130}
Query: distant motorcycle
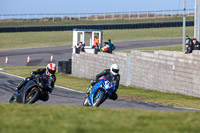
{"x": 32, "y": 91}
{"x": 100, "y": 92}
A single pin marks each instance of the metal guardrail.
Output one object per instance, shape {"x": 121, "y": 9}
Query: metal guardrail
{"x": 102, "y": 26}
{"x": 93, "y": 16}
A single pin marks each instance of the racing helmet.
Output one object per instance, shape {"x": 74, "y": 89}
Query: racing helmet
{"x": 114, "y": 69}
{"x": 51, "y": 69}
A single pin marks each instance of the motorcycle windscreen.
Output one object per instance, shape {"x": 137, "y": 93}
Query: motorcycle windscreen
{"x": 109, "y": 84}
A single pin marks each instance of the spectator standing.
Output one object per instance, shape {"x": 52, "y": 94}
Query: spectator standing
{"x": 196, "y": 44}
{"x": 111, "y": 45}
{"x": 189, "y": 45}
{"x": 96, "y": 41}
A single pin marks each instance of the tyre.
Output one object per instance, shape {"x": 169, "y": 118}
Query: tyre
{"x": 97, "y": 101}
{"x": 86, "y": 102}
{"x": 32, "y": 95}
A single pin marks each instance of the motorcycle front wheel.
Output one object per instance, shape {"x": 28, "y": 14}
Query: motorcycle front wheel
{"x": 32, "y": 95}
{"x": 99, "y": 100}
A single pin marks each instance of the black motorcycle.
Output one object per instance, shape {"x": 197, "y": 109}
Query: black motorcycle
{"x": 32, "y": 91}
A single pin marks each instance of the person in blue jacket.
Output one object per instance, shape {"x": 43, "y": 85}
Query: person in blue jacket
{"x": 111, "y": 45}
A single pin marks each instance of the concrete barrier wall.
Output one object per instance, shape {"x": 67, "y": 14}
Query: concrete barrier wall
{"x": 167, "y": 71}
{"x": 160, "y": 70}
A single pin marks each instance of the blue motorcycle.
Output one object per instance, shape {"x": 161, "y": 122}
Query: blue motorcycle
{"x": 100, "y": 92}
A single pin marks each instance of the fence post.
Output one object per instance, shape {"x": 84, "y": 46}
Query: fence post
{"x": 128, "y": 69}
{"x": 121, "y": 15}
{"x": 104, "y": 16}
{"x": 87, "y": 16}
{"x": 1, "y": 17}
{"x": 138, "y": 14}
{"x": 188, "y": 14}
{"x": 10, "y": 16}
{"x": 70, "y": 17}
{"x": 163, "y": 13}
{"x": 147, "y": 14}
{"x": 43, "y": 17}
{"x": 129, "y": 15}
{"x": 79, "y": 16}
{"x": 96, "y": 16}
{"x": 62, "y": 17}
{"x": 155, "y": 14}
{"x": 171, "y": 13}
{"x": 53, "y": 17}
{"x": 27, "y": 17}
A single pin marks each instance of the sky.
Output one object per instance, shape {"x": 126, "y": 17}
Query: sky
{"x": 88, "y": 6}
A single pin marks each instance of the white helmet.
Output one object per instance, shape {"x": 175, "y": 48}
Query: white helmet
{"x": 114, "y": 69}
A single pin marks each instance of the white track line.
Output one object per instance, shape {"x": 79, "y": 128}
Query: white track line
{"x": 55, "y": 85}
{"x": 12, "y": 75}
{"x": 186, "y": 108}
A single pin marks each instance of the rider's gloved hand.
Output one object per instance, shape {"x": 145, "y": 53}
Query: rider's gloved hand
{"x": 93, "y": 82}
{"x": 32, "y": 75}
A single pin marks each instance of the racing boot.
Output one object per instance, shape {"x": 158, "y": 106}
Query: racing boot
{"x": 20, "y": 85}
{"x": 18, "y": 88}
{"x": 16, "y": 94}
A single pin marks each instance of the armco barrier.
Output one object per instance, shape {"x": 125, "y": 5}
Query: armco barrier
{"x": 98, "y": 26}
{"x": 164, "y": 71}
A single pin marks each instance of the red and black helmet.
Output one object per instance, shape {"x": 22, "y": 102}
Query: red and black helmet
{"x": 51, "y": 69}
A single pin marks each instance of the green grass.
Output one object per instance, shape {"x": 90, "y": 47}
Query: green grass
{"x": 38, "y": 39}
{"x": 17, "y": 118}
{"x": 126, "y": 92}
{"x": 34, "y": 39}
{"x": 82, "y": 22}
{"x": 166, "y": 48}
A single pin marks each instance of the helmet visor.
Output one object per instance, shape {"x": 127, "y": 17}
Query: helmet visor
{"x": 51, "y": 71}
{"x": 115, "y": 70}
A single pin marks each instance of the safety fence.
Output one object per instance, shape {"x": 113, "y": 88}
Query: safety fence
{"x": 93, "y": 16}
{"x": 102, "y": 26}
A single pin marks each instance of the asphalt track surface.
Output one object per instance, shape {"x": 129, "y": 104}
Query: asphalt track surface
{"x": 41, "y": 56}
{"x": 65, "y": 96}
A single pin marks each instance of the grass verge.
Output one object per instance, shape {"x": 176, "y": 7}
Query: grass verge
{"x": 124, "y": 92}
{"x": 39, "y": 39}
{"x": 17, "y": 118}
